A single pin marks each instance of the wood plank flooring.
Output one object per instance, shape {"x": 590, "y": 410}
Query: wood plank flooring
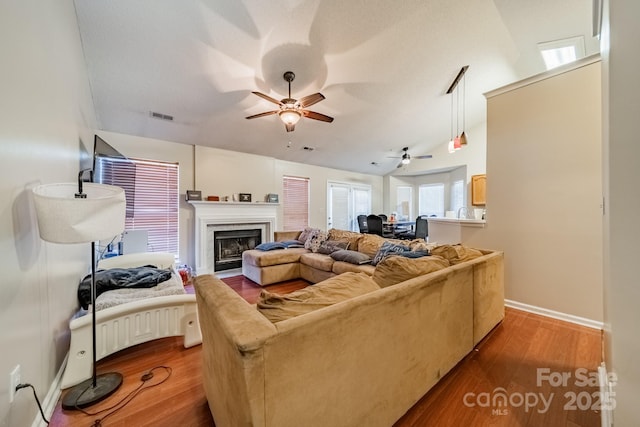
{"x": 505, "y": 363}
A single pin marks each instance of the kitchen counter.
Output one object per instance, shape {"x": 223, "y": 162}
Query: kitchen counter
{"x": 453, "y": 230}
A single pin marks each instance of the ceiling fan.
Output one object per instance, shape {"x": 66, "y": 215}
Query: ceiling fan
{"x": 291, "y": 110}
{"x": 405, "y": 159}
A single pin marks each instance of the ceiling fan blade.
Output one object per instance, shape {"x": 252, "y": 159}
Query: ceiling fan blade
{"x": 266, "y": 113}
{"x": 399, "y": 165}
{"x": 311, "y": 99}
{"x": 268, "y": 98}
{"x": 426, "y": 156}
{"x": 317, "y": 116}
{"x": 289, "y": 128}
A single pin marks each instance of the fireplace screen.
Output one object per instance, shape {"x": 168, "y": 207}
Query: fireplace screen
{"x": 229, "y": 245}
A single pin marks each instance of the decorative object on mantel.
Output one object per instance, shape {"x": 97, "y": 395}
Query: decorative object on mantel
{"x": 194, "y": 195}
{"x": 244, "y": 197}
{"x": 213, "y": 198}
{"x": 271, "y": 198}
{"x": 95, "y": 212}
{"x": 461, "y": 139}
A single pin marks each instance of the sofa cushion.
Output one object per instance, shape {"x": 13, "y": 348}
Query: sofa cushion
{"x": 387, "y": 249}
{"x": 396, "y": 269}
{"x": 344, "y": 235}
{"x": 340, "y": 267}
{"x": 267, "y": 258}
{"x": 353, "y": 257}
{"x": 270, "y": 246}
{"x": 340, "y": 288}
{"x": 329, "y": 246}
{"x": 317, "y": 261}
{"x": 456, "y": 254}
{"x": 369, "y": 244}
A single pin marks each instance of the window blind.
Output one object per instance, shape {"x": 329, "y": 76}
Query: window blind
{"x": 295, "y": 203}
{"x": 151, "y": 190}
{"x": 431, "y": 199}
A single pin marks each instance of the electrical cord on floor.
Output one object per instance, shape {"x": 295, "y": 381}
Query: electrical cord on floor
{"x": 20, "y": 386}
{"x": 147, "y": 376}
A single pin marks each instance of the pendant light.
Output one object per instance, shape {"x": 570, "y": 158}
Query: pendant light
{"x": 460, "y": 140}
{"x": 463, "y": 136}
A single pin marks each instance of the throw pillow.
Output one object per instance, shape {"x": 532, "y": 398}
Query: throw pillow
{"x": 396, "y": 269}
{"x": 313, "y": 243}
{"x": 269, "y": 246}
{"x": 387, "y": 249}
{"x": 329, "y": 246}
{"x": 293, "y": 244}
{"x": 306, "y": 234}
{"x": 352, "y": 257}
{"x": 276, "y": 307}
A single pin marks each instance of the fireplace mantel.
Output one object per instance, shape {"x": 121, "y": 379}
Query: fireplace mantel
{"x": 226, "y": 215}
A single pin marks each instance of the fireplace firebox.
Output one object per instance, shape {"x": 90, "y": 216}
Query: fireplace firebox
{"x": 229, "y": 245}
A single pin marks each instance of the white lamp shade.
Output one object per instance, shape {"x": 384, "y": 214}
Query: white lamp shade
{"x": 63, "y": 218}
{"x": 289, "y": 117}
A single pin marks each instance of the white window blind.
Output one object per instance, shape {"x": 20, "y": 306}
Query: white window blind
{"x": 431, "y": 199}
{"x": 295, "y": 203}
{"x": 151, "y": 189}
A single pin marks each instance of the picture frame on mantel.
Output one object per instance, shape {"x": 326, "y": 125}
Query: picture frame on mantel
{"x": 244, "y": 197}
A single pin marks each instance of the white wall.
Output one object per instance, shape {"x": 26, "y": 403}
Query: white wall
{"x": 45, "y": 110}
{"x": 544, "y": 191}
{"x": 621, "y": 111}
{"x": 223, "y": 173}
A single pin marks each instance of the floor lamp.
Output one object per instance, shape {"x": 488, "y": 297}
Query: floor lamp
{"x": 67, "y": 213}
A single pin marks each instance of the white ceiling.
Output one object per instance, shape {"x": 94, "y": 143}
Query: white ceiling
{"x": 383, "y": 65}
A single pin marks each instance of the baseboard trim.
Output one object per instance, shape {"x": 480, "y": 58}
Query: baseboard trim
{"x": 51, "y": 399}
{"x": 554, "y": 314}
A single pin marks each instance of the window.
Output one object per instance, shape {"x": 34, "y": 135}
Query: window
{"x": 151, "y": 189}
{"x": 404, "y": 202}
{"x": 431, "y": 199}
{"x": 560, "y": 52}
{"x": 295, "y": 203}
{"x": 457, "y": 195}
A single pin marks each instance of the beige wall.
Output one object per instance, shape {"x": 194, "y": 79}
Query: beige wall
{"x": 544, "y": 191}
{"x": 45, "y": 111}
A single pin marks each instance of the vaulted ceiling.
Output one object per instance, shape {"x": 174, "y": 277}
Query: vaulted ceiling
{"x": 384, "y": 67}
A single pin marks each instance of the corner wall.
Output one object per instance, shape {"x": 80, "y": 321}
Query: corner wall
{"x": 544, "y": 190}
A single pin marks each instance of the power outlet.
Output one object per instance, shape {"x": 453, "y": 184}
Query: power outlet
{"x": 14, "y": 381}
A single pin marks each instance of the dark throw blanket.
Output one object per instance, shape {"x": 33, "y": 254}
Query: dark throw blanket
{"x": 146, "y": 276}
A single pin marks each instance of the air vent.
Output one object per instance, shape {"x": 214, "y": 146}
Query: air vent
{"x": 308, "y": 148}
{"x": 161, "y": 116}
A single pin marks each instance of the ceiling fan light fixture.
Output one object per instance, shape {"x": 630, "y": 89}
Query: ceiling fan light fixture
{"x": 405, "y": 160}
{"x": 289, "y": 116}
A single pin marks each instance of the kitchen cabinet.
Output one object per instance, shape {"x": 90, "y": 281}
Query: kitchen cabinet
{"x": 479, "y": 190}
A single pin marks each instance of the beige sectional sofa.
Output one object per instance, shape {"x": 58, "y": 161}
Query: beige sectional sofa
{"x": 269, "y": 267}
{"x": 362, "y": 361}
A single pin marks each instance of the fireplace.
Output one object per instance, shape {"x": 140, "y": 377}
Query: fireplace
{"x": 219, "y": 220}
{"x": 229, "y": 245}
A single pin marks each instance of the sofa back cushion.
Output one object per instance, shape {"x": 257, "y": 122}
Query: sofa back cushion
{"x": 396, "y": 269}
{"x": 276, "y": 307}
{"x": 456, "y": 254}
{"x": 345, "y": 236}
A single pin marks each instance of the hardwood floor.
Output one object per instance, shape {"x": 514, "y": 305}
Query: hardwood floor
{"x": 506, "y": 364}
